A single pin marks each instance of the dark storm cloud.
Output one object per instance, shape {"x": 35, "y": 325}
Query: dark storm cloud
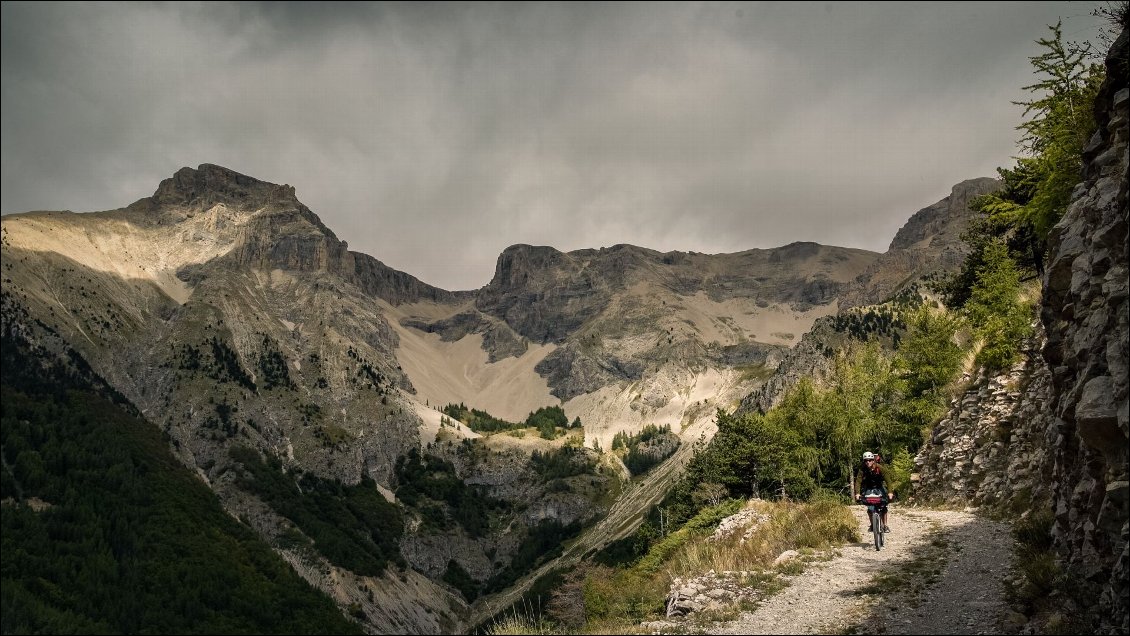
{"x": 434, "y": 135}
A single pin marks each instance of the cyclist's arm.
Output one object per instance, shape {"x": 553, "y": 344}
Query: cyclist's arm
{"x": 887, "y": 486}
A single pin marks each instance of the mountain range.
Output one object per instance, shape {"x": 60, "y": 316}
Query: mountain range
{"x": 234, "y": 320}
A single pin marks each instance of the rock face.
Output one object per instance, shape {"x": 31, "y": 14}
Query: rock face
{"x": 544, "y": 294}
{"x": 806, "y": 360}
{"x": 619, "y": 313}
{"x": 499, "y": 341}
{"x": 221, "y": 288}
{"x": 1085, "y": 314}
{"x": 992, "y": 447}
{"x": 547, "y": 295}
{"x": 273, "y": 229}
{"x": 929, "y": 242}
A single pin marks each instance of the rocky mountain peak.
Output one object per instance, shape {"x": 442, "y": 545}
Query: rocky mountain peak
{"x": 210, "y": 184}
{"x": 223, "y": 193}
{"x": 945, "y": 219}
{"x": 520, "y": 260}
{"x": 261, "y": 225}
{"x": 929, "y": 242}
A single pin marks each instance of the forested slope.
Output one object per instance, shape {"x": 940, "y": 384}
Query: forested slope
{"x": 105, "y": 531}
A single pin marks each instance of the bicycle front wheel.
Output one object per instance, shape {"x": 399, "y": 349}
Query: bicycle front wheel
{"x": 877, "y": 530}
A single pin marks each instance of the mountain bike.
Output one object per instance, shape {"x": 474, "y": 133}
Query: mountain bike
{"x": 876, "y": 504}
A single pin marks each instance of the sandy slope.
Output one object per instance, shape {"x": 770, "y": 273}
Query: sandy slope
{"x": 431, "y": 423}
{"x": 115, "y": 245}
{"x": 446, "y": 372}
{"x": 450, "y": 372}
{"x": 736, "y": 319}
{"x": 690, "y": 398}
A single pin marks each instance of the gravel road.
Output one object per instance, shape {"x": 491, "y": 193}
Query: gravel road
{"x": 941, "y": 572}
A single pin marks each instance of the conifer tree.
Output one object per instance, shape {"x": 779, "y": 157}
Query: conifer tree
{"x": 1037, "y": 191}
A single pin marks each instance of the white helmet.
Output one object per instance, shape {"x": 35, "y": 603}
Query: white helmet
{"x": 868, "y": 455}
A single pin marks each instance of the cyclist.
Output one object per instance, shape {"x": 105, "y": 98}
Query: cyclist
{"x": 871, "y": 476}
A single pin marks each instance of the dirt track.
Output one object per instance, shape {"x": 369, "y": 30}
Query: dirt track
{"x": 952, "y": 565}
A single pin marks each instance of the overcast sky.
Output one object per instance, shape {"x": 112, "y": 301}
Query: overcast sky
{"x": 433, "y": 136}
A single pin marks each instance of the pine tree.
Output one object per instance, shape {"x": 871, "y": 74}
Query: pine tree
{"x": 995, "y": 311}
{"x": 1037, "y": 191}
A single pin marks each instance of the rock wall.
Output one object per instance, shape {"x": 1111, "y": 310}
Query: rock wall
{"x": 994, "y": 446}
{"x": 1085, "y": 314}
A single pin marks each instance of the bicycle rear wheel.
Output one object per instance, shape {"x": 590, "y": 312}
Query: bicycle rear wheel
{"x": 877, "y": 530}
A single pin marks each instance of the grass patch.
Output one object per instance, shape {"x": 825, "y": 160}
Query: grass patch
{"x": 755, "y": 372}
{"x": 817, "y": 525}
{"x": 333, "y": 435}
{"x": 520, "y": 623}
{"x": 615, "y": 600}
{"x": 618, "y": 599}
{"x": 1035, "y": 559}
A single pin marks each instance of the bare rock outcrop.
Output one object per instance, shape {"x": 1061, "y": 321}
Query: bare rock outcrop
{"x": 1085, "y": 313}
{"x": 710, "y": 591}
{"x": 499, "y": 341}
{"x": 547, "y": 295}
{"x": 992, "y": 447}
{"x": 929, "y": 242}
{"x": 619, "y": 313}
{"x": 808, "y": 359}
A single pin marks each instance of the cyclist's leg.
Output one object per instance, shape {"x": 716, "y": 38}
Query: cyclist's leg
{"x": 883, "y": 510}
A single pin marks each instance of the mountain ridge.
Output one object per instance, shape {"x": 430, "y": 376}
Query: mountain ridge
{"x": 612, "y": 315}
{"x": 231, "y": 315}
